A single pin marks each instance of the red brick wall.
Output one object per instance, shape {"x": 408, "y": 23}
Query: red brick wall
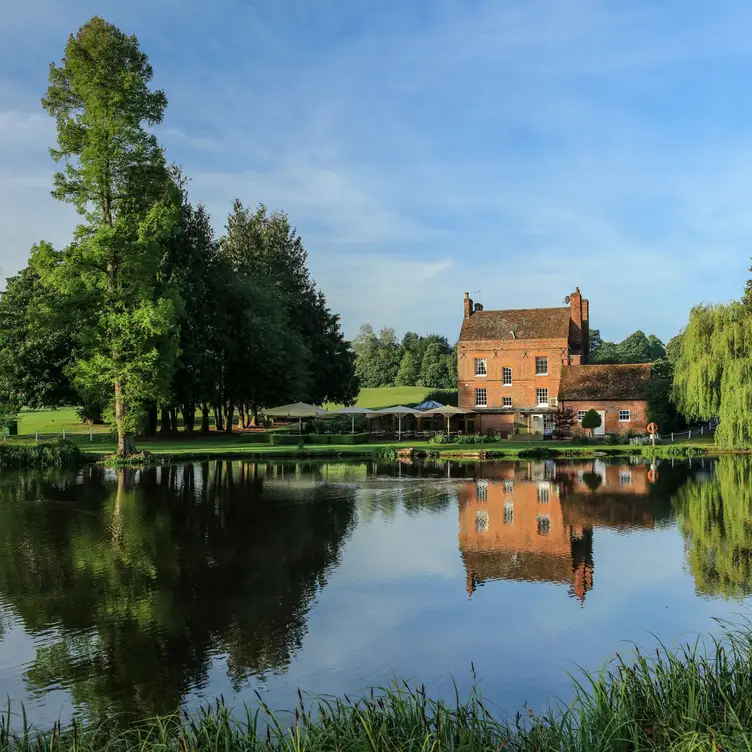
{"x": 519, "y": 355}
{"x": 637, "y": 423}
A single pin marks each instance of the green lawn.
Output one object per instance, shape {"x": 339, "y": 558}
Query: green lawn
{"x": 52, "y": 422}
{"x": 388, "y": 396}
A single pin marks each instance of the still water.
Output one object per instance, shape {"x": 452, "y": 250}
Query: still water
{"x": 140, "y": 591}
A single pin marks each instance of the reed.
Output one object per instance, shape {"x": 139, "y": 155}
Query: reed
{"x": 698, "y": 697}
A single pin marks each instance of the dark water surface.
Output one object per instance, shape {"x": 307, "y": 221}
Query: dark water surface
{"x": 141, "y": 591}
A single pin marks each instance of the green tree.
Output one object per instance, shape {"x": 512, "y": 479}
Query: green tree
{"x": 656, "y": 349}
{"x": 259, "y": 244}
{"x": 436, "y": 369}
{"x": 594, "y": 343}
{"x": 633, "y": 349}
{"x": 115, "y": 175}
{"x": 591, "y": 420}
{"x": 713, "y": 372}
{"x": 35, "y": 346}
{"x": 715, "y": 516}
{"x": 661, "y": 407}
{"x": 409, "y": 370}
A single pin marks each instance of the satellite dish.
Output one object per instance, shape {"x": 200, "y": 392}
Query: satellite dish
{"x": 567, "y": 299}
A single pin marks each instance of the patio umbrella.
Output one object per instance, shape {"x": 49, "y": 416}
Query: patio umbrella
{"x": 297, "y": 410}
{"x": 399, "y": 411}
{"x": 353, "y": 411}
{"x": 448, "y": 411}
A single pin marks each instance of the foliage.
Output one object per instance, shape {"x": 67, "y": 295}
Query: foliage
{"x": 636, "y": 348}
{"x": 592, "y": 420}
{"x": 565, "y": 418}
{"x": 437, "y": 370}
{"x": 592, "y": 480}
{"x": 715, "y": 517}
{"x": 385, "y": 454}
{"x": 409, "y": 370}
{"x": 115, "y": 175}
{"x": 661, "y": 407}
{"x": 382, "y": 361}
{"x": 61, "y": 453}
{"x": 537, "y": 453}
{"x": 445, "y": 396}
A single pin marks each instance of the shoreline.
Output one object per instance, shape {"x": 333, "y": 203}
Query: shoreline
{"x": 693, "y": 696}
{"x": 21, "y": 454}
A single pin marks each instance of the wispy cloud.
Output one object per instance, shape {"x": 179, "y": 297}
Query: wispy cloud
{"x": 522, "y": 148}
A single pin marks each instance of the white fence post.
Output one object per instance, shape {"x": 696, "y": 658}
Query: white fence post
{"x": 91, "y": 434}
{"x": 690, "y": 434}
{"x": 63, "y": 434}
{"x": 37, "y": 435}
{"x": 672, "y": 436}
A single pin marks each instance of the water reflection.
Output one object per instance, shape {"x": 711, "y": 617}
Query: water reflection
{"x": 715, "y": 516}
{"x": 133, "y": 587}
{"x": 534, "y": 521}
{"x": 136, "y": 579}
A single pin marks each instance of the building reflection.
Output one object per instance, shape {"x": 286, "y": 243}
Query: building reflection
{"x": 535, "y": 521}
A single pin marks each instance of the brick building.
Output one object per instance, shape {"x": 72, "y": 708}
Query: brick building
{"x": 534, "y": 521}
{"x": 516, "y": 367}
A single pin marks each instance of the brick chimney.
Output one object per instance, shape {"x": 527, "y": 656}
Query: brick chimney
{"x": 468, "y": 306}
{"x": 575, "y": 324}
{"x": 585, "y": 330}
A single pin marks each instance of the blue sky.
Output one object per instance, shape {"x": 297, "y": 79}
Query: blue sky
{"x": 424, "y": 148}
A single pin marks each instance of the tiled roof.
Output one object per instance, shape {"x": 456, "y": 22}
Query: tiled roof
{"x": 530, "y": 323}
{"x": 604, "y": 382}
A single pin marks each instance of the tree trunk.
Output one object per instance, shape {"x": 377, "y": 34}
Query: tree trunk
{"x": 204, "y": 418}
{"x": 218, "y": 424}
{"x": 152, "y": 420}
{"x": 174, "y": 419}
{"x": 241, "y": 416}
{"x": 229, "y": 413}
{"x": 126, "y": 441}
{"x": 164, "y": 427}
{"x": 255, "y": 415}
{"x": 189, "y": 416}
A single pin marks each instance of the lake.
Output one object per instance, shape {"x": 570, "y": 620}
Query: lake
{"x": 141, "y": 591}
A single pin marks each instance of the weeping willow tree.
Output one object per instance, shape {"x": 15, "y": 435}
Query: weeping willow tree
{"x": 713, "y": 374}
{"x": 715, "y": 517}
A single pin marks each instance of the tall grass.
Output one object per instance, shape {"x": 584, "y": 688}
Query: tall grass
{"x": 698, "y": 697}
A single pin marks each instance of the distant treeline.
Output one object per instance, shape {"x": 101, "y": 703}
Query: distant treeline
{"x": 383, "y": 360}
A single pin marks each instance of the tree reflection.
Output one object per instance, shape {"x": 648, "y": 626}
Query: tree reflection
{"x": 142, "y": 576}
{"x": 715, "y": 515}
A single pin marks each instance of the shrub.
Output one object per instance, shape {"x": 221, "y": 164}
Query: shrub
{"x": 445, "y": 396}
{"x": 61, "y": 453}
{"x": 672, "y": 450}
{"x": 257, "y": 438}
{"x": 321, "y": 438}
{"x": 441, "y": 438}
{"x": 592, "y": 420}
{"x": 286, "y": 439}
{"x": 536, "y": 453}
{"x": 385, "y": 454}
{"x": 349, "y": 439}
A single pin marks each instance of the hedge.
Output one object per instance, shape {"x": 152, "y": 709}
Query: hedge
{"x": 257, "y": 438}
{"x": 61, "y": 453}
{"x": 350, "y": 438}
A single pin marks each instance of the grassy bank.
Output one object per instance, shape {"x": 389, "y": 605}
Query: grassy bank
{"x": 690, "y": 699}
{"x": 62, "y": 454}
{"x": 239, "y": 446}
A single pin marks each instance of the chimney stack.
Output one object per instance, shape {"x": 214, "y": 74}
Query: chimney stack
{"x": 575, "y": 326}
{"x": 585, "y": 330}
{"x": 468, "y": 306}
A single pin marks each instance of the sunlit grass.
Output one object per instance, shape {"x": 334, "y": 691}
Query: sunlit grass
{"x": 698, "y": 697}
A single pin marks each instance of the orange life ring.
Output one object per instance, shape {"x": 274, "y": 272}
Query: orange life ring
{"x": 652, "y": 428}
{"x": 652, "y": 476}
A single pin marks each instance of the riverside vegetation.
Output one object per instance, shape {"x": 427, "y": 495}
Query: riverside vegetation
{"x": 698, "y": 697}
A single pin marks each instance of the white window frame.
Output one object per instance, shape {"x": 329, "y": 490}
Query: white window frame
{"x": 544, "y": 524}
{"x": 553, "y": 402}
{"x": 581, "y": 416}
{"x": 508, "y": 485}
{"x": 478, "y": 364}
{"x": 481, "y": 521}
{"x": 506, "y": 371}
{"x": 538, "y": 358}
{"x": 538, "y": 391}
{"x": 506, "y": 402}
{"x": 544, "y": 493}
{"x": 481, "y": 491}
{"x": 509, "y": 513}
{"x": 627, "y": 419}
{"x": 625, "y": 477}
{"x": 478, "y": 403}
